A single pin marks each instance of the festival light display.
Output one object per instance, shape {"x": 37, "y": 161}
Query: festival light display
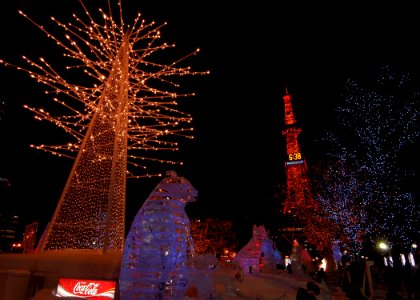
{"x": 124, "y": 113}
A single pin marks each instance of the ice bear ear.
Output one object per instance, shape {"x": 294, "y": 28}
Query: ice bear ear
{"x": 171, "y": 173}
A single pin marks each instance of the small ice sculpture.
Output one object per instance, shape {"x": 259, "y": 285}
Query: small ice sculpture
{"x": 268, "y": 260}
{"x": 278, "y": 259}
{"x": 337, "y": 254}
{"x": 159, "y": 244}
{"x": 249, "y": 257}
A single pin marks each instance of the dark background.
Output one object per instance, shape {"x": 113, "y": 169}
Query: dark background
{"x": 253, "y": 52}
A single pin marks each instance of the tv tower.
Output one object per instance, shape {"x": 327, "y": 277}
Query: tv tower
{"x": 299, "y": 199}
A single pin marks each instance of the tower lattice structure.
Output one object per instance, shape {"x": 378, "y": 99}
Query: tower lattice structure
{"x": 299, "y": 199}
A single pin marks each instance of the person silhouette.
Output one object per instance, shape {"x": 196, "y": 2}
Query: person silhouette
{"x": 320, "y": 275}
{"x": 289, "y": 268}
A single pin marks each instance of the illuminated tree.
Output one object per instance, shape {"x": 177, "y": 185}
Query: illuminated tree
{"x": 212, "y": 235}
{"x": 123, "y": 111}
{"x": 381, "y": 121}
{"x": 340, "y": 199}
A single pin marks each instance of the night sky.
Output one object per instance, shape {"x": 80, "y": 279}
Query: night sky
{"x": 253, "y": 52}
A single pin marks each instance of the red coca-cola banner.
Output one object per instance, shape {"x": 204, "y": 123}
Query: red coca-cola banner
{"x": 91, "y": 289}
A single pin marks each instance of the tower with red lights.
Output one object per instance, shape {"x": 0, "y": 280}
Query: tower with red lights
{"x": 299, "y": 199}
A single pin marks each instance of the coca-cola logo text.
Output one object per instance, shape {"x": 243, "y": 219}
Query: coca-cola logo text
{"x": 87, "y": 289}
{"x": 92, "y": 289}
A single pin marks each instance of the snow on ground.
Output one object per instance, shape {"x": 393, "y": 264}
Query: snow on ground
{"x": 270, "y": 286}
{"x": 228, "y": 283}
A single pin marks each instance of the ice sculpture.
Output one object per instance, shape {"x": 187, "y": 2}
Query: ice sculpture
{"x": 278, "y": 259}
{"x": 268, "y": 259}
{"x": 337, "y": 254}
{"x": 251, "y": 256}
{"x": 159, "y": 244}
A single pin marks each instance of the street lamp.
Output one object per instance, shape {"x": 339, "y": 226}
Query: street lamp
{"x": 384, "y": 247}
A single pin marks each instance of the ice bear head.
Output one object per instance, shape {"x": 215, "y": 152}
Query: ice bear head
{"x": 176, "y": 187}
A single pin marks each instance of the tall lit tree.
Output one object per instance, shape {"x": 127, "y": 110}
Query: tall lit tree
{"x": 381, "y": 121}
{"x": 123, "y": 112}
{"x": 340, "y": 197}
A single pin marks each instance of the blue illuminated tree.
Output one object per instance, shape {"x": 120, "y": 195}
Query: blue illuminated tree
{"x": 381, "y": 122}
{"x": 340, "y": 197}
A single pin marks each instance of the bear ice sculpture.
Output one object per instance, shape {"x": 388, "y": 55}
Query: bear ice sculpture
{"x": 159, "y": 244}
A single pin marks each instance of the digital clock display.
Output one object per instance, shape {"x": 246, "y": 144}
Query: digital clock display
{"x": 295, "y": 156}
